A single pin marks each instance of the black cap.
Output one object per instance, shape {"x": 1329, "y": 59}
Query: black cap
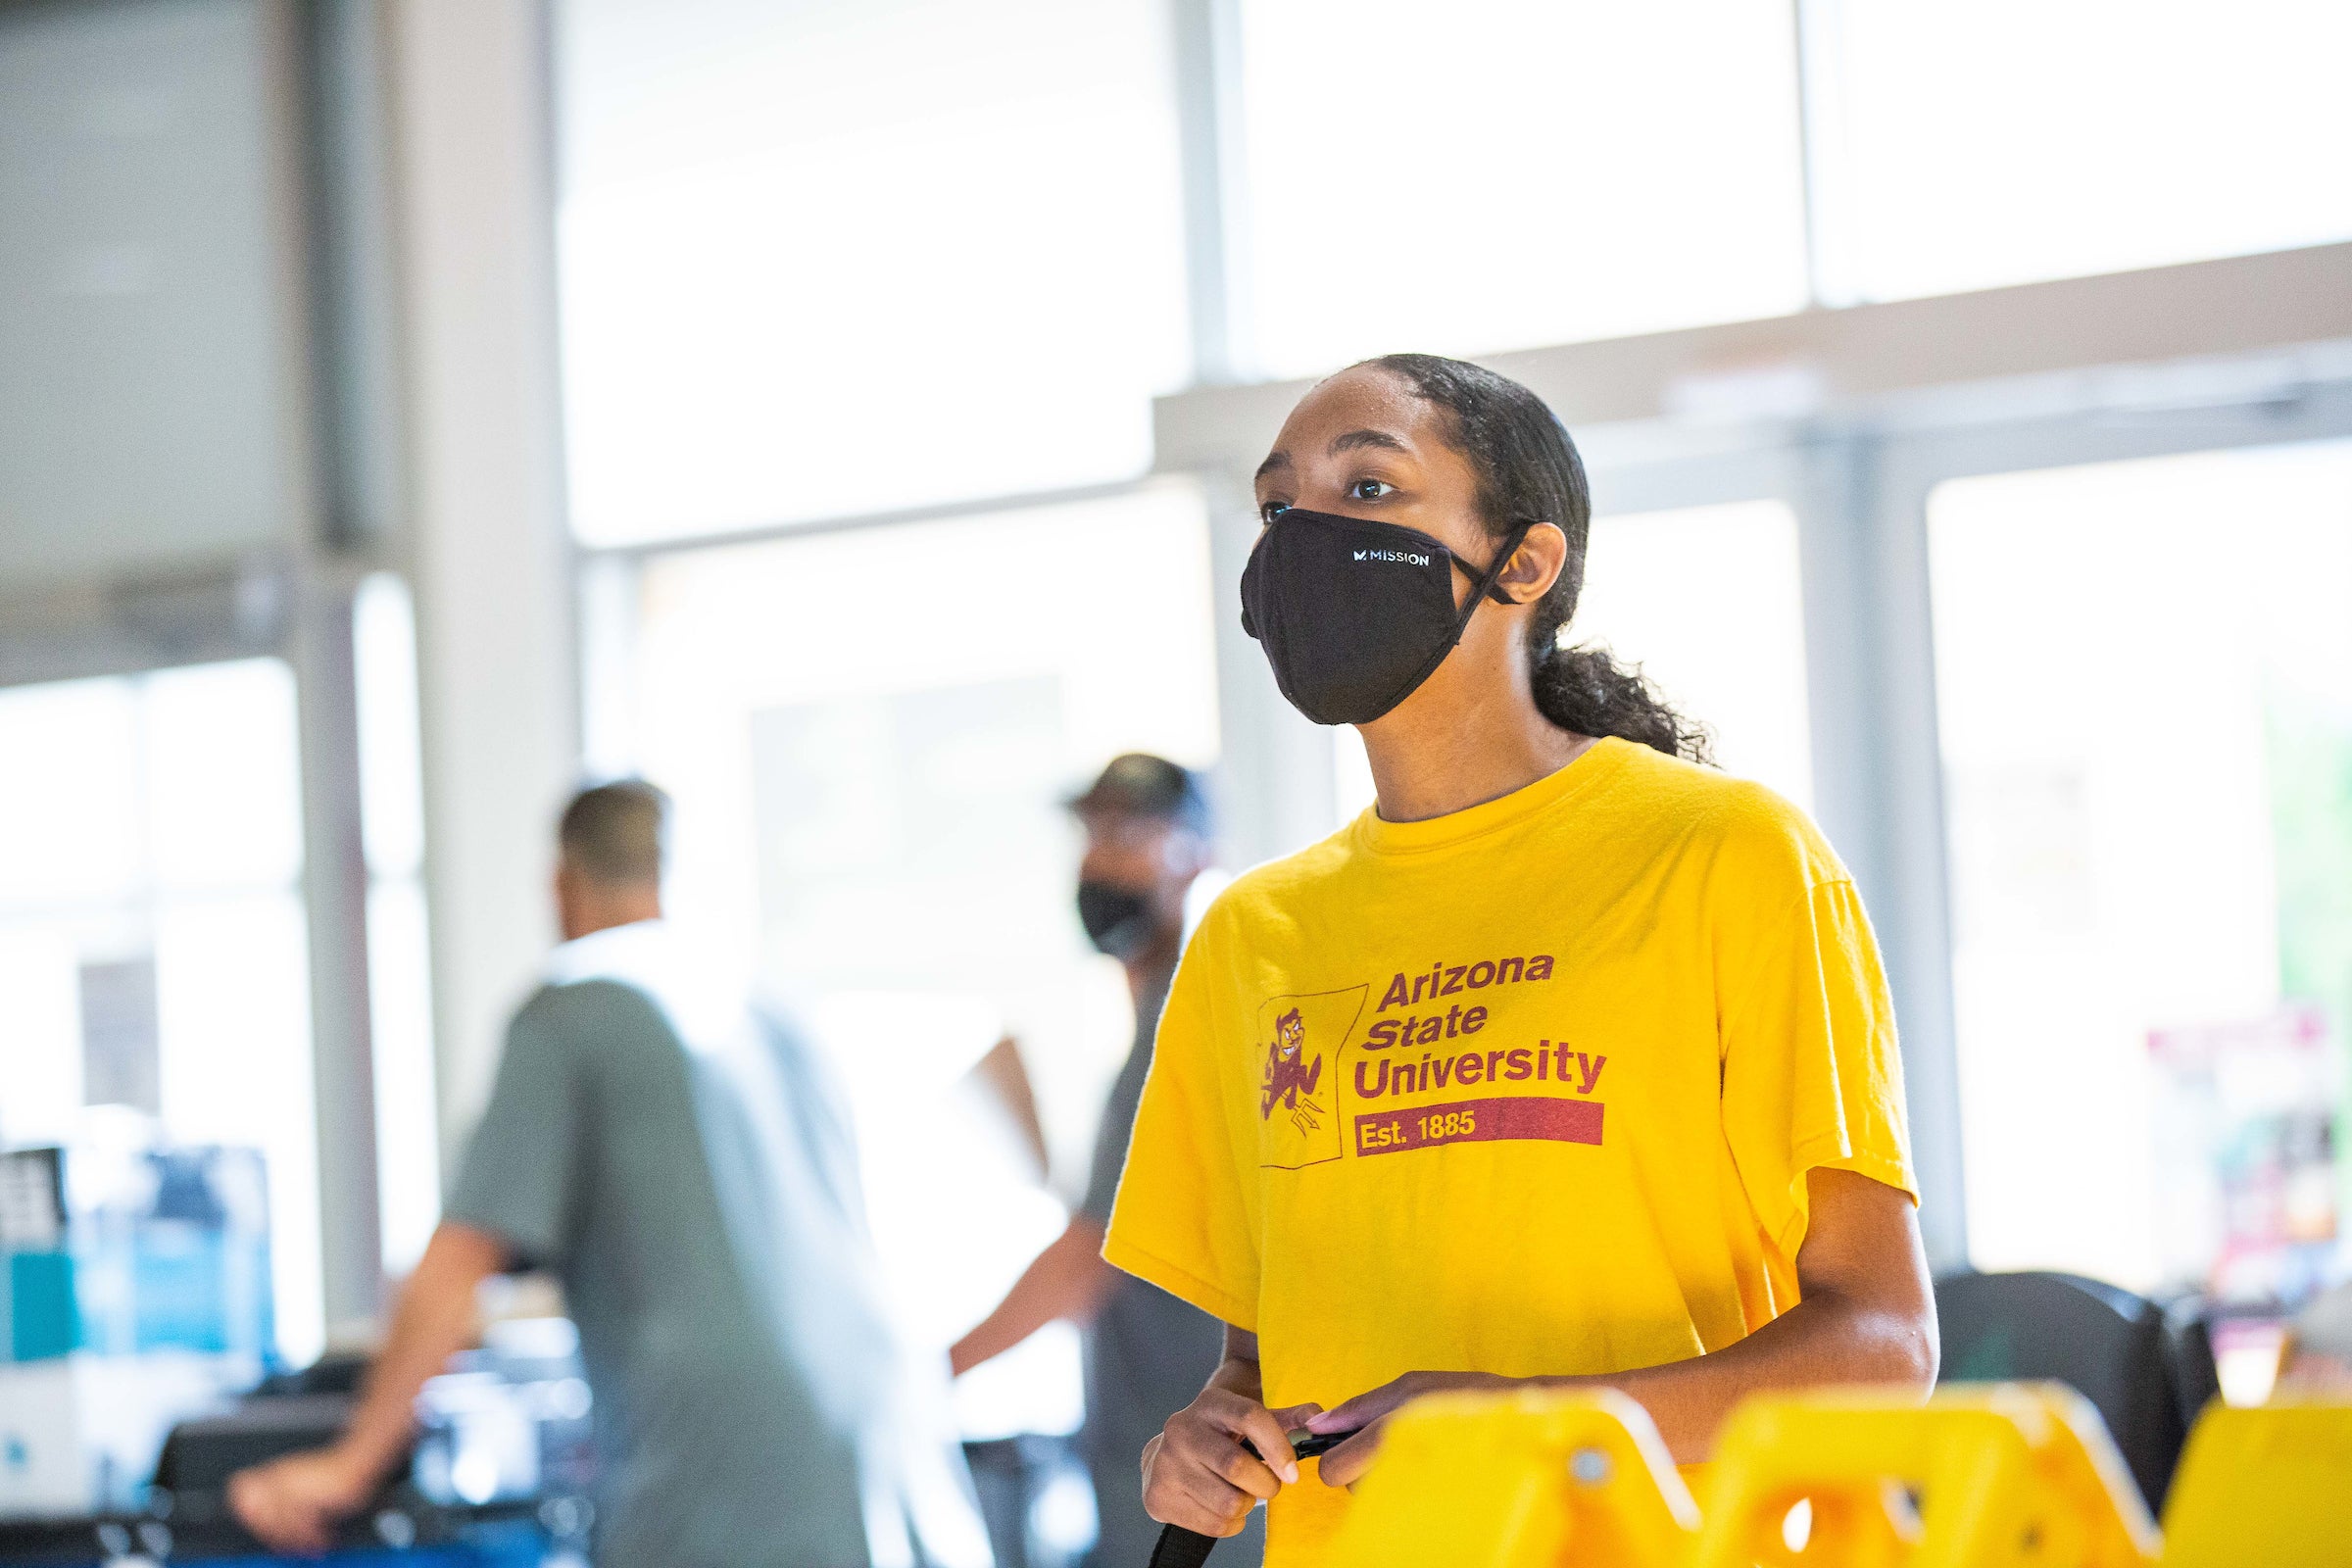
{"x": 1142, "y": 785}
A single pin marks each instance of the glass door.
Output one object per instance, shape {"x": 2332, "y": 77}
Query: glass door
{"x": 2143, "y": 683}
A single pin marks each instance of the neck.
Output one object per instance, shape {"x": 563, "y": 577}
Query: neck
{"x": 1462, "y": 740}
{"x": 1153, "y": 963}
{"x": 604, "y": 909}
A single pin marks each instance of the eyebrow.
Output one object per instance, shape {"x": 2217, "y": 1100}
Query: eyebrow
{"x": 1353, "y": 439}
{"x": 1347, "y": 441}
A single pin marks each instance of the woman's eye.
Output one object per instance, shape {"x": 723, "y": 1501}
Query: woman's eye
{"x": 1272, "y": 510}
{"x": 1370, "y": 489}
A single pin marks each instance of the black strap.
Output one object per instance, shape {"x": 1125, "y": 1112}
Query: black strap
{"x": 1179, "y": 1547}
{"x": 1490, "y": 581}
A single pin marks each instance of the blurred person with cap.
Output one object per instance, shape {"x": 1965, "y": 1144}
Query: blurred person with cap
{"x": 1147, "y": 843}
{"x": 677, "y": 1156}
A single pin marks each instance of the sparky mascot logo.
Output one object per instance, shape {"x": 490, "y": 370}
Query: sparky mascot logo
{"x": 1291, "y": 1075}
{"x": 1300, "y": 1055}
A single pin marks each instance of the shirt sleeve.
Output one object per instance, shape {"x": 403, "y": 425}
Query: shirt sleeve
{"x": 1812, "y": 1077}
{"x": 1182, "y": 1216}
{"x": 522, "y": 1164}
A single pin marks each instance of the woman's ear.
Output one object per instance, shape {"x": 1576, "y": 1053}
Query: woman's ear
{"x": 1541, "y": 557}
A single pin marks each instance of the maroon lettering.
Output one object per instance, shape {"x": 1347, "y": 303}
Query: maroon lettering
{"x": 1445, "y": 980}
{"x": 1462, "y": 1121}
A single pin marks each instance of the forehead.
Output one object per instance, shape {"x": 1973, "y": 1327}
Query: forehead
{"x": 1119, "y": 828}
{"x": 1361, "y": 398}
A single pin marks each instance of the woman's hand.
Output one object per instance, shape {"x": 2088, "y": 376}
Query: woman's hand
{"x": 1368, "y": 1415}
{"x": 1197, "y": 1474}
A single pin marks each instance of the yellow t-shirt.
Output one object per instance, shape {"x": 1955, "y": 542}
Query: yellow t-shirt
{"x": 1529, "y": 1089}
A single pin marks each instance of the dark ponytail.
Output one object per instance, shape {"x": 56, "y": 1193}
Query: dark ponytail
{"x": 1527, "y": 469}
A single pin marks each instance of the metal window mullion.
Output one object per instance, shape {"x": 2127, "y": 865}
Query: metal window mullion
{"x": 1906, "y": 745}
{"x": 1878, "y": 771}
{"x": 1824, "y": 154}
{"x": 1213, "y": 157}
{"x": 335, "y": 884}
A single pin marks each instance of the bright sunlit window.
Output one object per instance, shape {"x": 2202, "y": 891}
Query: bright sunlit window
{"x": 870, "y": 790}
{"x": 2144, "y": 688}
{"x": 1489, "y": 175}
{"x": 1706, "y": 600}
{"x": 1973, "y": 143}
{"x": 153, "y": 948}
{"x": 831, "y": 259}
{"x": 399, "y": 974}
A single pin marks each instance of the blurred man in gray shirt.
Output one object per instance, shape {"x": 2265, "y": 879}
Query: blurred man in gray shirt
{"x": 676, "y": 1155}
{"x": 1148, "y": 833}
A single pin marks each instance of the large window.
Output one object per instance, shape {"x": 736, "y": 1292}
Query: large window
{"x": 153, "y": 954}
{"x": 830, "y": 259}
{"x": 1971, "y": 143}
{"x": 2144, "y": 685}
{"x": 1490, "y": 175}
{"x": 869, "y": 734}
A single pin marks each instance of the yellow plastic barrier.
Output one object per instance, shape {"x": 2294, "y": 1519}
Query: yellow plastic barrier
{"x": 2269, "y": 1488}
{"x": 2006, "y": 1476}
{"x": 1522, "y": 1480}
{"x": 2009, "y": 1476}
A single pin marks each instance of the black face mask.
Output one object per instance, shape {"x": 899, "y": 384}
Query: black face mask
{"x": 1354, "y": 616}
{"x": 1117, "y": 919}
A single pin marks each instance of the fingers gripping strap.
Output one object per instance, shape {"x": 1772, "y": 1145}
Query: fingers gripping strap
{"x": 1179, "y": 1547}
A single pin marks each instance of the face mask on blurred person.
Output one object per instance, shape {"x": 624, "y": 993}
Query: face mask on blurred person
{"x": 1354, "y": 616}
{"x": 1117, "y": 919}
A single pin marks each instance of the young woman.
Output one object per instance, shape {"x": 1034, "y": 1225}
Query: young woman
{"x": 1571, "y": 1062}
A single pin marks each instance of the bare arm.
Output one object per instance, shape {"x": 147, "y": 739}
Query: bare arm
{"x": 293, "y": 1503}
{"x": 1866, "y": 1314}
{"x": 1068, "y": 1278}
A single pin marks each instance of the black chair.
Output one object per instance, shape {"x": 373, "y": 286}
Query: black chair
{"x": 2148, "y": 1371}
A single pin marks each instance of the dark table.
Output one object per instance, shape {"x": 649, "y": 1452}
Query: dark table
{"x": 401, "y": 1530}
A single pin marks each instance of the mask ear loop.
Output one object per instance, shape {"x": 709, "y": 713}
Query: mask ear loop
{"x": 1489, "y": 582}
